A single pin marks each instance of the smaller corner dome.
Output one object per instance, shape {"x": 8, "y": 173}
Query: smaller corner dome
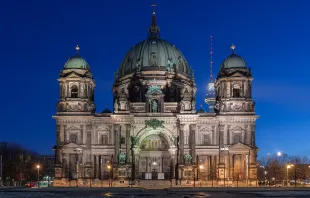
{"x": 201, "y": 110}
{"x": 77, "y": 62}
{"x": 233, "y": 61}
{"x": 107, "y": 110}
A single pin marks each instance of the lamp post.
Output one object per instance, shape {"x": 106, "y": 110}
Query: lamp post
{"x": 109, "y": 168}
{"x": 200, "y": 168}
{"x": 287, "y": 167}
{"x": 38, "y": 167}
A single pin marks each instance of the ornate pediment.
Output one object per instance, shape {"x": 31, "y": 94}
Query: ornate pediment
{"x": 239, "y": 146}
{"x": 73, "y": 75}
{"x": 73, "y": 128}
{"x": 71, "y": 145}
{"x": 206, "y": 129}
{"x": 237, "y": 74}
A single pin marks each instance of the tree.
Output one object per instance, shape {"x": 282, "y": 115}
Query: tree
{"x": 17, "y": 163}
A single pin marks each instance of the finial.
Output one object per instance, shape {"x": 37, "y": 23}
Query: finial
{"x": 154, "y": 29}
{"x": 77, "y": 48}
{"x": 107, "y": 106}
{"x": 232, "y": 47}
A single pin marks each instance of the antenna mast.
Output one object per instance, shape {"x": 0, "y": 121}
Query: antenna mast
{"x": 211, "y": 62}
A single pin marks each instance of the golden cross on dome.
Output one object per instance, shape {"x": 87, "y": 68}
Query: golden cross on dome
{"x": 232, "y": 47}
{"x": 77, "y": 48}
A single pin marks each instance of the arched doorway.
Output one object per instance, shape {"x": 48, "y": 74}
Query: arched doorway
{"x": 154, "y": 161}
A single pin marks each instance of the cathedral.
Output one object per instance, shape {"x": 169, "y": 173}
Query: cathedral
{"x": 154, "y": 131}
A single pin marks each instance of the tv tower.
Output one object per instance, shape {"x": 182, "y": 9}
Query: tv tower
{"x": 210, "y": 97}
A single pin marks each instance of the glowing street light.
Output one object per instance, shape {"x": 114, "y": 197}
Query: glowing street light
{"x": 38, "y": 167}
{"x": 279, "y": 154}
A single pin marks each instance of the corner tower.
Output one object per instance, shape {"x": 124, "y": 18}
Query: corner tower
{"x": 237, "y": 120}
{"x": 76, "y": 87}
{"x": 234, "y": 87}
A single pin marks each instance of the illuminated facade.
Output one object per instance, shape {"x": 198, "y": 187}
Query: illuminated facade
{"x": 154, "y": 131}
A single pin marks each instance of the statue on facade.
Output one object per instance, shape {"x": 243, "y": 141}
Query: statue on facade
{"x": 122, "y": 158}
{"x": 154, "y": 106}
{"x": 116, "y": 74}
{"x": 138, "y": 65}
{"x": 116, "y": 105}
{"x": 187, "y": 158}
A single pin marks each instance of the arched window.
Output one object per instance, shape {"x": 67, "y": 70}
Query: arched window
{"x": 237, "y": 138}
{"x": 236, "y": 93}
{"x": 74, "y": 91}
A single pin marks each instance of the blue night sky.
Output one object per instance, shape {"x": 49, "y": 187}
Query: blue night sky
{"x": 37, "y": 38}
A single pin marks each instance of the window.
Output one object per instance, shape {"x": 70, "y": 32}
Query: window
{"x": 237, "y": 138}
{"x": 206, "y": 139}
{"x": 236, "y": 92}
{"x": 186, "y": 139}
{"x": 187, "y": 173}
{"x": 104, "y": 139}
{"x": 122, "y": 140}
{"x": 73, "y": 138}
{"x": 74, "y": 91}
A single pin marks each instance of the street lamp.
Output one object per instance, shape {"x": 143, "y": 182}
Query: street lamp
{"x": 109, "y": 168}
{"x": 279, "y": 154}
{"x": 38, "y": 167}
{"x": 287, "y": 167}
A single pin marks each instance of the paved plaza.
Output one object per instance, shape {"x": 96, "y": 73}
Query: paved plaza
{"x": 140, "y": 192}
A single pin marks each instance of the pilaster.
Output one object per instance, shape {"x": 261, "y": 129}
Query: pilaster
{"x": 128, "y": 143}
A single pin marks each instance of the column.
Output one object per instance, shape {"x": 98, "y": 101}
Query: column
{"x": 88, "y": 135}
{"x": 228, "y": 135}
{"x": 213, "y": 136}
{"x": 81, "y": 141}
{"x": 65, "y": 134}
{"x": 221, "y": 142}
{"x": 128, "y": 144}
{"x": 192, "y": 128}
{"x": 181, "y": 143}
{"x": 112, "y": 141}
{"x": 117, "y": 142}
{"x": 253, "y": 135}
{"x": 172, "y": 152}
{"x": 57, "y": 150}
{"x": 61, "y": 135}
{"x": 110, "y": 135}
{"x": 135, "y": 168}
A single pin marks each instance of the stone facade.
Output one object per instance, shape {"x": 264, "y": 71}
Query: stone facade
{"x": 154, "y": 131}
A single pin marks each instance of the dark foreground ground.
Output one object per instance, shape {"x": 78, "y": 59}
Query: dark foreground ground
{"x": 139, "y": 192}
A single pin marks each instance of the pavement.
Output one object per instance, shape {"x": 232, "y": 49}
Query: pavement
{"x": 21, "y": 192}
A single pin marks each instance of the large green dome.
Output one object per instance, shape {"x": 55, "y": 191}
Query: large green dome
{"x": 153, "y": 54}
{"x": 77, "y": 62}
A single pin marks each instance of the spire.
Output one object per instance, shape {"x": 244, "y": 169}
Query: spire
{"x": 154, "y": 29}
{"x": 211, "y": 62}
{"x": 232, "y": 47}
{"x": 77, "y": 48}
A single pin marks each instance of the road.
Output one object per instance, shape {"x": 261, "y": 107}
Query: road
{"x": 138, "y": 192}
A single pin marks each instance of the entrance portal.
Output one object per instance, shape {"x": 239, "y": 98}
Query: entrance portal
{"x": 154, "y": 161}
